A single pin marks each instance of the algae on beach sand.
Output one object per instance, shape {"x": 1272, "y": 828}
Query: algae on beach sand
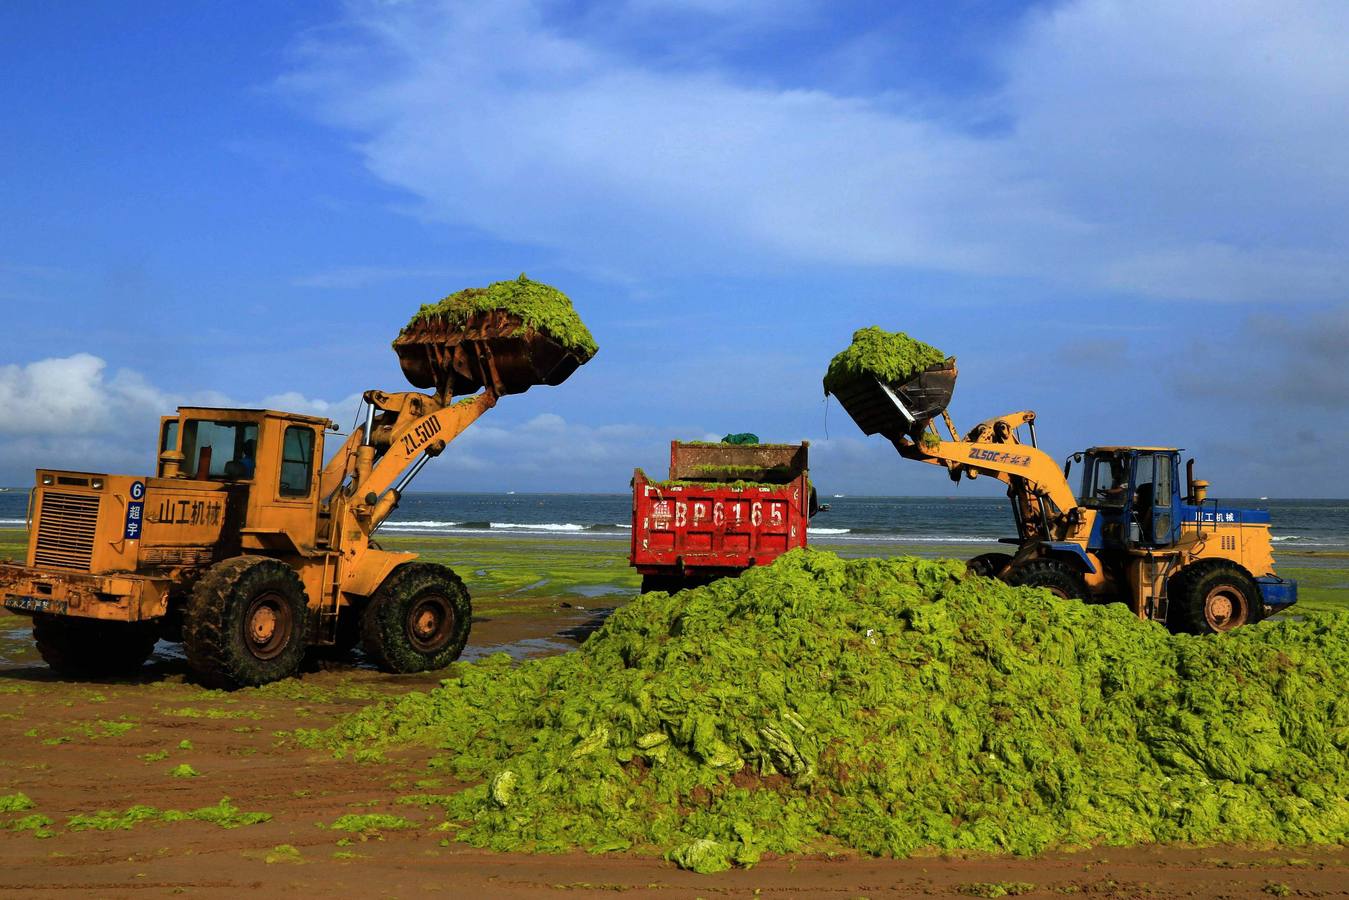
{"x": 892, "y": 706}
{"x": 889, "y": 356}
{"x": 538, "y": 305}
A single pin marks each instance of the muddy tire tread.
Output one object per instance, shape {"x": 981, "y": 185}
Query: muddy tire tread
{"x": 1049, "y": 573}
{"x": 988, "y": 564}
{"x": 91, "y": 648}
{"x": 383, "y": 635}
{"x": 1188, "y": 589}
{"x": 207, "y": 625}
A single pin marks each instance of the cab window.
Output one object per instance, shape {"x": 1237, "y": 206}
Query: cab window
{"x": 169, "y": 439}
{"x": 1152, "y": 497}
{"x": 224, "y": 451}
{"x": 297, "y": 461}
{"x": 1105, "y": 482}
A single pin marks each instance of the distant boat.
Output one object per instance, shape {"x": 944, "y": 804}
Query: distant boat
{"x": 1264, "y": 498}
{"x": 510, "y": 492}
{"x": 837, "y": 496}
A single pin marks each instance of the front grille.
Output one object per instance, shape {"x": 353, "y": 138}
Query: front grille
{"x": 65, "y": 531}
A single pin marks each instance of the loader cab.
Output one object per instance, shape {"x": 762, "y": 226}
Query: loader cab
{"x": 1135, "y": 491}
{"x": 268, "y": 461}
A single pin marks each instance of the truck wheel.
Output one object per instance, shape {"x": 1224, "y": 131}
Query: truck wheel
{"x": 90, "y": 648}
{"x": 988, "y": 564}
{"x": 418, "y": 619}
{"x": 247, "y": 623}
{"x": 1055, "y": 576}
{"x": 1211, "y": 596}
{"x": 669, "y": 584}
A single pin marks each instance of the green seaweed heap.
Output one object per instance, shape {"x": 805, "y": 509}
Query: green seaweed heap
{"x": 889, "y": 356}
{"x": 891, "y": 706}
{"x": 539, "y": 306}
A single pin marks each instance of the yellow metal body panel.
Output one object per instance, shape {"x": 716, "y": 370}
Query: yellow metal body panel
{"x": 121, "y": 598}
{"x": 1048, "y": 511}
{"x": 120, "y": 547}
{"x": 1246, "y": 544}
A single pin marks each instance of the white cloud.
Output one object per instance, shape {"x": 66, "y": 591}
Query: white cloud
{"x": 70, "y": 412}
{"x": 71, "y": 395}
{"x": 1182, "y": 150}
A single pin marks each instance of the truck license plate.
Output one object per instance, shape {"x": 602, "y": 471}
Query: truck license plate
{"x": 37, "y": 604}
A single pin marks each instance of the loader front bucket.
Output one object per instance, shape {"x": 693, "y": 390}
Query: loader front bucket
{"x": 490, "y": 349}
{"x": 901, "y": 408}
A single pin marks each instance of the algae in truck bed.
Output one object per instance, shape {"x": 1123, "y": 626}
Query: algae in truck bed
{"x": 539, "y": 306}
{"x": 890, "y": 356}
{"x": 892, "y": 706}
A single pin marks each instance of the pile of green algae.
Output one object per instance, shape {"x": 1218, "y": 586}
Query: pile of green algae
{"x": 539, "y": 306}
{"x": 889, "y": 356}
{"x": 891, "y": 706}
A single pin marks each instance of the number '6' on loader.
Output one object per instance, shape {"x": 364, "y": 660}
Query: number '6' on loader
{"x": 248, "y": 550}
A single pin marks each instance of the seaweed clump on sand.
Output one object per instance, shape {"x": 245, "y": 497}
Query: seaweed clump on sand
{"x": 888, "y": 356}
{"x": 891, "y": 706}
{"x": 539, "y": 306}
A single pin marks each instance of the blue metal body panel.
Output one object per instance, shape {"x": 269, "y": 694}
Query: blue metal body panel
{"x": 1096, "y": 540}
{"x": 1070, "y": 549}
{"x": 1214, "y": 514}
{"x": 1277, "y": 592}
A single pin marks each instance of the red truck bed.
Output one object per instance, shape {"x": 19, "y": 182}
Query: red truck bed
{"x": 724, "y": 509}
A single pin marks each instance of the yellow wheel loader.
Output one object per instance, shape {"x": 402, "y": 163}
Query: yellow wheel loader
{"x": 248, "y": 549}
{"x": 1130, "y": 534}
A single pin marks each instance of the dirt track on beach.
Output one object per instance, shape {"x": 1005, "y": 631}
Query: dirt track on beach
{"x": 76, "y": 748}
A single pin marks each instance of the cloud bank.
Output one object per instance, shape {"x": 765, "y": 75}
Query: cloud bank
{"x": 1158, "y": 149}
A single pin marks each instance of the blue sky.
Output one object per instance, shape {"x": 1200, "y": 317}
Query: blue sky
{"x": 1128, "y": 216}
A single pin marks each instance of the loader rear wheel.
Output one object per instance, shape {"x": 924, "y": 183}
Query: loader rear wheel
{"x": 247, "y": 623}
{"x": 89, "y": 648}
{"x": 1212, "y": 596}
{"x": 988, "y": 564}
{"x": 1055, "y": 576}
{"x": 418, "y": 619}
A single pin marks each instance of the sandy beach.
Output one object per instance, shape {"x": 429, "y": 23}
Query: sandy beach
{"x": 81, "y": 749}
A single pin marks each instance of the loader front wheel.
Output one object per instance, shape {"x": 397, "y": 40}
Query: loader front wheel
{"x": 88, "y": 648}
{"x": 418, "y": 619}
{"x": 247, "y": 623}
{"x": 1055, "y": 576}
{"x": 988, "y": 564}
{"x": 1212, "y": 596}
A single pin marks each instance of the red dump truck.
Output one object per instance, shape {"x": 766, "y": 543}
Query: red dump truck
{"x": 724, "y": 508}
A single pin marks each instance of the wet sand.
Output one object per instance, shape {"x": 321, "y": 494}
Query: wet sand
{"x": 76, "y": 748}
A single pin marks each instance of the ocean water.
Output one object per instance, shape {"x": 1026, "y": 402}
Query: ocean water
{"x": 1300, "y": 524}
{"x": 1297, "y": 524}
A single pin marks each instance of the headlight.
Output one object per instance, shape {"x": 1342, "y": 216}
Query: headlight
{"x": 96, "y": 484}
{"x": 47, "y": 479}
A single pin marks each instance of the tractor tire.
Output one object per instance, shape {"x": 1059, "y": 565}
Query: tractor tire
{"x": 1055, "y": 576}
{"x": 1212, "y": 596}
{"x": 247, "y": 623}
{"x": 988, "y": 564}
{"x": 89, "y": 648}
{"x": 418, "y": 619}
